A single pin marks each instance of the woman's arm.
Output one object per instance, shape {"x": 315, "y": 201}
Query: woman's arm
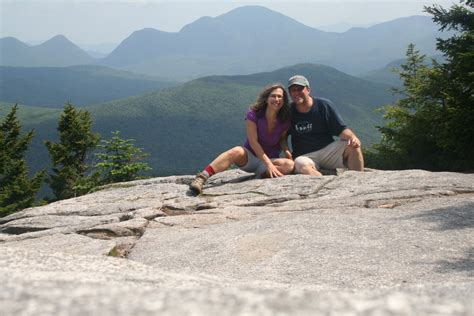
{"x": 252, "y": 136}
{"x": 284, "y": 145}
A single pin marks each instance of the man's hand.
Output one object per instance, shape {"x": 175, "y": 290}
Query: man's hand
{"x": 351, "y": 138}
{"x": 354, "y": 142}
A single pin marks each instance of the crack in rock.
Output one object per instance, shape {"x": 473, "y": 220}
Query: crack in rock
{"x": 268, "y": 202}
{"x": 318, "y": 189}
{"x": 103, "y": 233}
{"x": 391, "y": 203}
{"x": 126, "y": 217}
{"x": 206, "y": 206}
{"x": 170, "y": 210}
{"x": 134, "y": 227}
{"x": 395, "y": 202}
{"x": 19, "y": 230}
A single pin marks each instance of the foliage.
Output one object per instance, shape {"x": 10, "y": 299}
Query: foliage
{"x": 120, "y": 161}
{"x": 453, "y": 84}
{"x": 69, "y": 155}
{"x": 432, "y": 126}
{"x": 17, "y": 191}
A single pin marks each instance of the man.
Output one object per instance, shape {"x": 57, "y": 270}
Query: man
{"x": 314, "y": 122}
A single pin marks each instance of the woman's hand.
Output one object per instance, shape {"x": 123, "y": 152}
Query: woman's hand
{"x": 273, "y": 171}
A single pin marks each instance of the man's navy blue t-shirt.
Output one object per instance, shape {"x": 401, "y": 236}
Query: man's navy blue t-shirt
{"x": 315, "y": 129}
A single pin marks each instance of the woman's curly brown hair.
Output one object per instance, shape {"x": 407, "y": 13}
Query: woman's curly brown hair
{"x": 260, "y": 105}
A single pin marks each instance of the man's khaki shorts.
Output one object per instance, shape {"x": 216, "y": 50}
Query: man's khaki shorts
{"x": 329, "y": 157}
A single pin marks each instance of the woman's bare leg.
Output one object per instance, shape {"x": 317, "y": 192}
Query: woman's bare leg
{"x": 237, "y": 155}
{"x": 284, "y": 165}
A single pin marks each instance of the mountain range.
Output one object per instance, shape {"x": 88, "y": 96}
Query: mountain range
{"x": 229, "y": 44}
{"x": 245, "y": 40}
{"x": 56, "y": 52}
{"x": 80, "y": 85}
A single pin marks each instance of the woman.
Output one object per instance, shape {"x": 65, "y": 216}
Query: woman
{"x": 267, "y": 124}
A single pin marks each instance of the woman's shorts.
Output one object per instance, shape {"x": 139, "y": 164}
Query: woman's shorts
{"x": 254, "y": 165}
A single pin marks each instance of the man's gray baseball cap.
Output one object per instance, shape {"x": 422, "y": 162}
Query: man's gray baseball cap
{"x": 298, "y": 80}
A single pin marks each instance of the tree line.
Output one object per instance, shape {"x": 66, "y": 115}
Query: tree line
{"x": 71, "y": 174}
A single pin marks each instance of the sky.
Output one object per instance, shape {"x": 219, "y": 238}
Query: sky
{"x": 111, "y": 21}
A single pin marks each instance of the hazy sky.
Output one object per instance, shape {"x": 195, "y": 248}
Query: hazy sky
{"x": 111, "y": 21}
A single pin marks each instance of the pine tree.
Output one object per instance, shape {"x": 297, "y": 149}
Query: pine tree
{"x": 431, "y": 127}
{"x": 453, "y": 84}
{"x": 120, "y": 161}
{"x": 17, "y": 191}
{"x": 409, "y": 134}
{"x": 69, "y": 155}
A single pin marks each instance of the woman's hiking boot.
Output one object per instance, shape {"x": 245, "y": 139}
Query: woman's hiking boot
{"x": 198, "y": 182}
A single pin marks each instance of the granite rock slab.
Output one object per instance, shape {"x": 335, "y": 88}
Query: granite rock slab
{"x": 371, "y": 243}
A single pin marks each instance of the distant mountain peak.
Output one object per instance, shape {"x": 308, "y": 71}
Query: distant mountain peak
{"x": 244, "y": 12}
{"x": 148, "y": 30}
{"x": 58, "y": 39}
{"x": 9, "y": 40}
{"x": 253, "y": 11}
{"x": 238, "y": 19}
{"x": 55, "y": 52}
{"x": 250, "y": 8}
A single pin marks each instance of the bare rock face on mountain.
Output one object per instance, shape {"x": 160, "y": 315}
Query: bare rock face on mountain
{"x": 376, "y": 243}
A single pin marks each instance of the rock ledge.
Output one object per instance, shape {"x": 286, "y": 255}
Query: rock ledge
{"x": 379, "y": 242}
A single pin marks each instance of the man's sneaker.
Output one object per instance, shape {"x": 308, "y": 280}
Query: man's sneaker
{"x": 198, "y": 182}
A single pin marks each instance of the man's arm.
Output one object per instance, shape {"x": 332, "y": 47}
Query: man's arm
{"x": 352, "y": 139}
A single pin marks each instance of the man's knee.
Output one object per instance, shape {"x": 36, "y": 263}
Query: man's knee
{"x": 351, "y": 152}
{"x": 354, "y": 159}
{"x": 304, "y": 165}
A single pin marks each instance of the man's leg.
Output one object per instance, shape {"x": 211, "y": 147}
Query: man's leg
{"x": 353, "y": 158}
{"x": 305, "y": 165}
{"x": 331, "y": 156}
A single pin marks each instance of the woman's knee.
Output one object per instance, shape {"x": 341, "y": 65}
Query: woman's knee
{"x": 285, "y": 165}
{"x": 289, "y": 164}
{"x": 237, "y": 154}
